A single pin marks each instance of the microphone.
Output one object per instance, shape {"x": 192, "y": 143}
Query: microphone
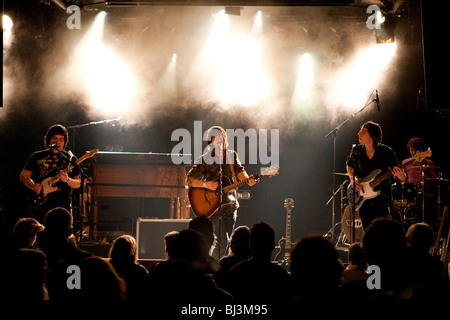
{"x": 53, "y": 145}
{"x": 72, "y": 156}
{"x": 377, "y": 100}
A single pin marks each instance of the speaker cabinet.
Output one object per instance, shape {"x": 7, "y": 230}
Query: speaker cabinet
{"x": 150, "y": 235}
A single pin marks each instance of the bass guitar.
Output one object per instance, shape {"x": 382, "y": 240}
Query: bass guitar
{"x": 371, "y": 181}
{"x": 206, "y": 203}
{"x": 49, "y": 184}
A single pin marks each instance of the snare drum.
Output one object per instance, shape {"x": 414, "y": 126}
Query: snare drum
{"x": 404, "y": 194}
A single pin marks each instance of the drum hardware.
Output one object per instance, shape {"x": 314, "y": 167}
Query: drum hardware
{"x": 404, "y": 194}
{"x": 425, "y": 166}
{"x": 347, "y": 225}
{"x": 341, "y": 189}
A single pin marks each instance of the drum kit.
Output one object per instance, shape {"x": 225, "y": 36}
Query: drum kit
{"x": 408, "y": 205}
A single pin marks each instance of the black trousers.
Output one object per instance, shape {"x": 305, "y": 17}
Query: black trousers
{"x": 374, "y": 208}
{"x": 224, "y": 223}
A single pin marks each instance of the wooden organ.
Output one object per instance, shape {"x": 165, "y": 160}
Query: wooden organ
{"x": 138, "y": 175}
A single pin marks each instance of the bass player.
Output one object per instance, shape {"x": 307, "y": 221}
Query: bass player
{"x": 369, "y": 155}
{"x": 47, "y": 163}
{"x": 205, "y": 174}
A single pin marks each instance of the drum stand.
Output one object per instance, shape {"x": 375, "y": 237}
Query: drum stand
{"x": 340, "y": 240}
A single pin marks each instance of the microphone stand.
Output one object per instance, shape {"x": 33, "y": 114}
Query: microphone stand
{"x": 112, "y": 121}
{"x": 82, "y": 173}
{"x": 353, "y": 209}
{"x": 83, "y": 176}
{"x": 334, "y": 132}
{"x": 220, "y": 194}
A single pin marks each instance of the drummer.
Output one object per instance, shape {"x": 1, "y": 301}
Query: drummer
{"x": 426, "y": 182}
{"x": 414, "y": 170}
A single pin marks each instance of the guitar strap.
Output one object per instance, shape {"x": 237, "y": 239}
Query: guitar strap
{"x": 231, "y": 167}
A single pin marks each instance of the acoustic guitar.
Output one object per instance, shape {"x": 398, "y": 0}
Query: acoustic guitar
{"x": 206, "y": 203}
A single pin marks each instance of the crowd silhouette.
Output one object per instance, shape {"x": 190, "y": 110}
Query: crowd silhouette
{"x": 36, "y": 259}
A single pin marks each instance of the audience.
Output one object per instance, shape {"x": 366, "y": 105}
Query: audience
{"x": 124, "y": 260}
{"x": 410, "y": 275}
{"x": 61, "y": 251}
{"x": 100, "y": 282}
{"x": 181, "y": 279}
{"x": 357, "y": 264}
{"x": 316, "y": 270}
{"x": 206, "y": 228}
{"x": 26, "y": 231}
{"x": 168, "y": 238}
{"x": 258, "y": 279}
{"x": 428, "y": 273}
{"x": 239, "y": 251}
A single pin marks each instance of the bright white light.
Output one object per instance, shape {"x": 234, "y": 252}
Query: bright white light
{"x": 101, "y": 15}
{"x": 241, "y": 79}
{"x": 306, "y": 75}
{"x": 229, "y": 68}
{"x": 107, "y": 80}
{"x": 360, "y": 76}
{"x": 257, "y": 28}
{"x": 205, "y": 68}
{"x": 7, "y": 30}
{"x": 7, "y": 22}
{"x": 304, "y": 97}
{"x": 168, "y": 80}
{"x": 218, "y": 33}
{"x": 109, "y": 83}
{"x": 96, "y": 30}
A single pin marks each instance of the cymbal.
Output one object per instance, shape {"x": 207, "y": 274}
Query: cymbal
{"x": 439, "y": 179}
{"x": 425, "y": 166}
{"x": 341, "y": 174}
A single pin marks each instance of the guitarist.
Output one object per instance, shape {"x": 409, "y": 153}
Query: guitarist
{"x": 50, "y": 163}
{"x": 205, "y": 174}
{"x": 370, "y": 154}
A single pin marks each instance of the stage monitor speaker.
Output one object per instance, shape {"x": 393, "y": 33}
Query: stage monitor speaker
{"x": 150, "y": 235}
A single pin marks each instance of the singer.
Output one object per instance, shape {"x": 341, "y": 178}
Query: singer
{"x": 211, "y": 168}
{"x": 369, "y": 155}
{"x": 48, "y": 184}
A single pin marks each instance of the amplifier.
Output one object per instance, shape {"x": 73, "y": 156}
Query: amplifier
{"x": 150, "y": 236}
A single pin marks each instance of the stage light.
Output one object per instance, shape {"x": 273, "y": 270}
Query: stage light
{"x": 235, "y": 11}
{"x": 257, "y": 28}
{"x": 168, "y": 80}
{"x": 7, "y": 25}
{"x": 385, "y": 32}
{"x": 306, "y": 75}
{"x": 101, "y": 15}
{"x": 108, "y": 81}
{"x": 366, "y": 71}
{"x": 304, "y": 97}
{"x": 241, "y": 79}
{"x": 96, "y": 30}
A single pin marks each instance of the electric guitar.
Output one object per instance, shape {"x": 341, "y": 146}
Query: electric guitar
{"x": 371, "y": 181}
{"x": 206, "y": 203}
{"x": 284, "y": 255}
{"x": 49, "y": 184}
